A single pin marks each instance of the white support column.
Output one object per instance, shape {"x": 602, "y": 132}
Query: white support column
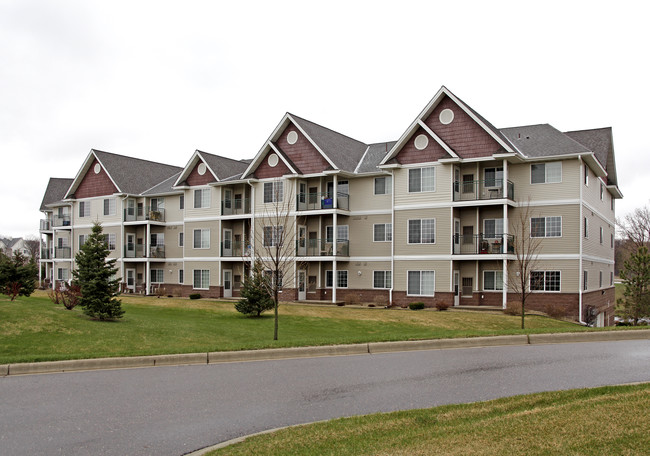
{"x": 504, "y": 242}
{"x": 334, "y": 240}
{"x": 147, "y": 251}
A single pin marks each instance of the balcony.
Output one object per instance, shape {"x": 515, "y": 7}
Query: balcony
{"x": 61, "y": 220}
{"x": 132, "y": 250}
{"x": 234, "y": 249}
{"x": 46, "y": 254}
{"x": 318, "y": 201}
{"x": 236, "y": 206}
{"x": 482, "y": 190}
{"x": 62, "y": 253}
{"x": 46, "y": 225}
{"x": 157, "y": 251}
{"x": 479, "y": 244}
{"x": 322, "y": 247}
{"x": 139, "y": 215}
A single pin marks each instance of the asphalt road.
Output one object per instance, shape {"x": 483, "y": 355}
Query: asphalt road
{"x": 175, "y": 410}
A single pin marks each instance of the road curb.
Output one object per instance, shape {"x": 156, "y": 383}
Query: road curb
{"x": 309, "y": 352}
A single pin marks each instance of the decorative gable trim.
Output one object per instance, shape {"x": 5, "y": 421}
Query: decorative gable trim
{"x": 92, "y": 156}
{"x": 443, "y": 144}
{"x": 191, "y": 164}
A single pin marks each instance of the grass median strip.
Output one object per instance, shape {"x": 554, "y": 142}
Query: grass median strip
{"x": 598, "y": 421}
{"x": 35, "y": 329}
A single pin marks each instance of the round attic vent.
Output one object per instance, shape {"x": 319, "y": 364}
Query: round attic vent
{"x": 97, "y": 168}
{"x": 292, "y": 137}
{"x": 446, "y": 116}
{"x": 421, "y": 142}
{"x": 201, "y": 169}
{"x": 273, "y": 160}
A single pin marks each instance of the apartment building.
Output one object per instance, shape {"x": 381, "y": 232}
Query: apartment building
{"x": 432, "y": 216}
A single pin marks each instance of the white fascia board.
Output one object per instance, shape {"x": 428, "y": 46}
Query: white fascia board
{"x": 281, "y": 155}
{"x": 85, "y": 167}
{"x": 443, "y": 144}
{"x": 614, "y": 190}
{"x": 208, "y": 166}
{"x": 312, "y": 142}
{"x": 186, "y": 170}
{"x": 356, "y": 170}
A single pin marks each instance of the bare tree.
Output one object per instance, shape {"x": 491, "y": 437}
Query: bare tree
{"x": 275, "y": 242}
{"x": 33, "y": 246}
{"x": 635, "y": 227}
{"x": 526, "y": 249}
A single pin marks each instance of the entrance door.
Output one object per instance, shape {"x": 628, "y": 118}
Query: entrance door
{"x": 302, "y": 285}
{"x": 456, "y": 288}
{"x": 302, "y": 240}
{"x": 456, "y": 236}
{"x": 130, "y": 245}
{"x": 302, "y": 196}
{"x": 130, "y": 280}
{"x": 130, "y": 209}
{"x": 227, "y": 243}
{"x": 227, "y": 283}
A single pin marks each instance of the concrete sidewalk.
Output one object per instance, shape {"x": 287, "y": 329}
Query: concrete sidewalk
{"x": 309, "y": 352}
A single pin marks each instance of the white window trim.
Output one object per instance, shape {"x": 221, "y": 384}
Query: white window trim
{"x": 385, "y": 225}
{"x": 388, "y": 186}
{"x": 545, "y": 290}
{"x": 545, "y": 175}
{"x": 338, "y": 271}
{"x": 435, "y": 234}
{"x": 274, "y": 192}
{"x": 208, "y": 198}
{"x": 193, "y": 237}
{"x": 346, "y": 238}
{"x": 495, "y": 271}
{"x": 408, "y": 179}
{"x": 162, "y": 272}
{"x": 201, "y": 288}
{"x": 384, "y": 287}
{"x": 530, "y": 227}
{"x": 421, "y": 271}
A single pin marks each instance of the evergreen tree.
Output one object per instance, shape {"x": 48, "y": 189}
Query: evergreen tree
{"x": 17, "y": 275}
{"x": 96, "y": 276}
{"x": 255, "y": 296}
{"x": 636, "y": 276}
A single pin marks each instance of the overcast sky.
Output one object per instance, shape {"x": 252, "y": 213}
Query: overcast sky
{"x": 157, "y": 80}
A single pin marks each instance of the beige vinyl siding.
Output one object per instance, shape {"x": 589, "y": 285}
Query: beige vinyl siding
{"x": 288, "y": 203}
{"x": 362, "y": 235}
{"x": 570, "y": 276}
{"x": 569, "y": 243}
{"x": 190, "y": 251}
{"x": 356, "y": 280}
{"x": 591, "y": 197}
{"x": 363, "y": 198}
{"x": 442, "y": 232}
{"x": 569, "y": 188}
{"x": 592, "y": 245}
{"x": 594, "y": 268}
{"x": 172, "y": 250}
{"x": 212, "y": 266}
{"x": 173, "y": 213}
{"x": 441, "y": 268}
{"x": 443, "y": 186}
{"x": 215, "y": 206}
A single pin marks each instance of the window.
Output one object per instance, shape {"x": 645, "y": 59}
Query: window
{"x": 586, "y": 228}
{"x": 546, "y": 173}
{"x": 109, "y": 239}
{"x": 611, "y": 240}
{"x": 181, "y": 202}
{"x": 493, "y": 177}
{"x": 273, "y": 191}
{"x": 268, "y": 274}
{"x": 382, "y": 232}
{"x": 492, "y": 280}
{"x": 383, "y": 185}
{"x": 201, "y": 279}
{"x": 157, "y": 204}
{"x": 181, "y": 276}
{"x": 611, "y": 279}
{"x": 273, "y": 236}
{"x": 586, "y": 170}
{"x": 181, "y": 239}
{"x": 84, "y": 209}
{"x": 546, "y": 227}
{"x": 341, "y": 279}
{"x": 493, "y": 228}
{"x": 600, "y": 279}
{"x": 382, "y": 279}
{"x": 109, "y": 206}
{"x": 422, "y": 231}
{"x": 201, "y": 198}
{"x": 422, "y": 180}
{"x": 611, "y": 204}
{"x": 342, "y": 233}
{"x": 545, "y": 280}
{"x": 601, "y": 234}
{"x": 202, "y": 239}
{"x": 61, "y": 274}
{"x": 585, "y": 279}
{"x": 602, "y": 191}
{"x": 157, "y": 276}
{"x": 421, "y": 283}
{"x": 157, "y": 239}
{"x": 82, "y": 239}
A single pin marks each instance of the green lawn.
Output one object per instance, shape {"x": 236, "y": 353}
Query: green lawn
{"x": 601, "y": 421}
{"x": 35, "y": 329}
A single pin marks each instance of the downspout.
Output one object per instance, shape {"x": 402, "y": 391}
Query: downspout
{"x": 392, "y": 237}
{"x": 504, "y": 243}
{"x": 251, "y": 237}
{"x": 334, "y": 240}
{"x": 581, "y": 234}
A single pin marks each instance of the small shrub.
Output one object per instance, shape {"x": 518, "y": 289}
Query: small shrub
{"x": 340, "y": 303}
{"x": 371, "y": 305}
{"x": 512, "y": 308}
{"x": 555, "y": 310}
{"x": 195, "y": 296}
{"x": 442, "y": 305}
{"x": 416, "y": 306}
{"x": 255, "y": 295}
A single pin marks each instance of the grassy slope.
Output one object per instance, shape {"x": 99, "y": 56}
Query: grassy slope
{"x": 601, "y": 421}
{"x": 35, "y": 329}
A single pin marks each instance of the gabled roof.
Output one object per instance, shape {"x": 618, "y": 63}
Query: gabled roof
{"x": 128, "y": 174}
{"x": 166, "y": 186}
{"x": 55, "y": 191}
{"x": 536, "y": 141}
{"x": 373, "y": 157}
{"x": 426, "y": 112}
{"x": 220, "y": 167}
{"x": 600, "y": 141}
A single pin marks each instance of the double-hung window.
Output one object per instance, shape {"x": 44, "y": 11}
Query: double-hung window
{"x": 422, "y": 231}
{"x": 492, "y": 280}
{"x": 273, "y": 236}
{"x": 546, "y": 173}
{"x": 383, "y": 185}
{"x": 422, "y": 180}
{"x": 494, "y": 177}
{"x": 202, "y": 238}
{"x": 421, "y": 283}
{"x": 545, "y": 280}
{"x": 157, "y": 276}
{"x": 382, "y": 232}
{"x": 109, "y": 206}
{"x": 201, "y": 279}
{"x": 82, "y": 239}
{"x": 201, "y": 198}
{"x": 84, "y": 209}
{"x": 342, "y": 233}
{"x": 493, "y": 228}
{"x": 546, "y": 227}
{"x": 110, "y": 240}
{"x": 382, "y": 279}
{"x": 341, "y": 279}
{"x": 273, "y": 191}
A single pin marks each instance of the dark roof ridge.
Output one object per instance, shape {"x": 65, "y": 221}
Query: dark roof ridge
{"x": 134, "y": 158}
{"x": 326, "y": 128}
